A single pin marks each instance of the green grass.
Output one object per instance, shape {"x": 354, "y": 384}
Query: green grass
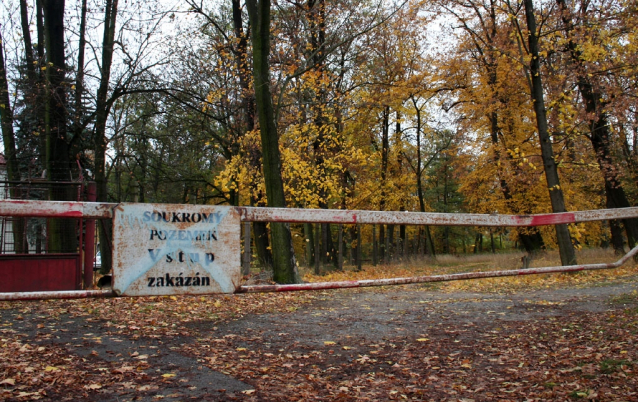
{"x": 610, "y": 366}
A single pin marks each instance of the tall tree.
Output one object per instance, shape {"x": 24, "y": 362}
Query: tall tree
{"x": 8, "y": 140}
{"x": 6, "y": 120}
{"x": 565, "y": 246}
{"x": 102, "y": 111}
{"x": 487, "y": 39}
{"x": 284, "y": 264}
{"x": 62, "y": 237}
{"x": 600, "y": 132}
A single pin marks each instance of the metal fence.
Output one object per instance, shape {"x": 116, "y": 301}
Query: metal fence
{"x": 30, "y": 235}
{"x": 46, "y": 252}
{"x": 291, "y": 215}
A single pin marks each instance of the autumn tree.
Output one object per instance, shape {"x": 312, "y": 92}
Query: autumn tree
{"x": 284, "y": 264}
{"x": 490, "y": 103}
{"x": 578, "y": 40}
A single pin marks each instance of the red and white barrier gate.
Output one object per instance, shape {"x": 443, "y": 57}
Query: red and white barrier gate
{"x": 162, "y": 249}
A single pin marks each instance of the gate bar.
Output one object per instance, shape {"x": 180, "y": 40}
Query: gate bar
{"x": 432, "y": 278}
{"x": 99, "y": 210}
{"x": 82, "y": 294}
{"x": 102, "y": 210}
{"x": 301, "y": 215}
{"x": 57, "y": 209}
{"x": 57, "y": 294}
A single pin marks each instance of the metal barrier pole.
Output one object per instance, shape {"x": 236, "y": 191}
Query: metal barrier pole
{"x": 248, "y": 214}
{"x": 432, "y": 278}
{"x": 61, "y": 294}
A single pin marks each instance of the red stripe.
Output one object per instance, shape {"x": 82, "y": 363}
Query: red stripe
{"x": 552, "y": 219}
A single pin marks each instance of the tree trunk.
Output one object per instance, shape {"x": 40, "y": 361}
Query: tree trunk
{"x": 402, "y": 241}
{"x": 245, "y": 270}
{"x": 317, "y": 249}
{"x": 6, "y": 119}
{"x": 385, "y": 145}
{"x": 309, "y": 238}
{"x": 241, "y": 59}
{"x": 260, "y": 229}
{"x": 340, "y": 251}
{"x": 565, "y": 246}
{"x": 325, "y": 250}
{"x": 40, "y": 28}
{"x": 262, "y": 244}
{"x": 616, "y": 237}
{"x": 8, "y": 140}
{"x": 390, "y": 247}
{"x": 359, "y": 247}
{"x": 429, "y": 247}
{"x": 600, "y": 134}
{"x": 101, "y": 116}
{"x": 284, "y": 264}
{"x": 492, "y": 242}
{"x": 79, "y": 79}
{"x": 375, "y": 246}
{"x": 28, "y": 46}
{"x": 62, "y": 232}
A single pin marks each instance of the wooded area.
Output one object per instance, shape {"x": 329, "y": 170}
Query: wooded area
{"x": 492, "y": 106}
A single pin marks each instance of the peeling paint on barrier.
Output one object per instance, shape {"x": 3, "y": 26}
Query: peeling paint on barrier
{"x": 163, "y": 249}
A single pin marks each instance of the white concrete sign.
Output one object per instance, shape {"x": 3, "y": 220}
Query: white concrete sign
{"x": 164, "y": 249}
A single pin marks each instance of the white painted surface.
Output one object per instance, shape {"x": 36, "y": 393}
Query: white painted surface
{"x": 164, "y": 249}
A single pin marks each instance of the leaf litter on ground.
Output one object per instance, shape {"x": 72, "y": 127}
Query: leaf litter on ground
{"x": 570, "y": 356}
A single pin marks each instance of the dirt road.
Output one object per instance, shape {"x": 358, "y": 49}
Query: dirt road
{"x": 412, "y": 342}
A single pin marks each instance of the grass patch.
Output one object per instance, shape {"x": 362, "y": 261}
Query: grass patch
{"x": 610, "y": 366}
{"x": 625, "y": 298}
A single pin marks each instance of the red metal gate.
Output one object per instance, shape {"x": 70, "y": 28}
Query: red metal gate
{"x": 27, "y": 261}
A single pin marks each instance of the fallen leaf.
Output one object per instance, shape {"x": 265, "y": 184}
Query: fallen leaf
{"x": 168, "y": 375}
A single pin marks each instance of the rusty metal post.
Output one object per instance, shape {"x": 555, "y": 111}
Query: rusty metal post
{"x": 89, "y": 239}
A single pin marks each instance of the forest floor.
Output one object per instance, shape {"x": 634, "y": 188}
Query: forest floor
{"x": 546, "y": 337}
